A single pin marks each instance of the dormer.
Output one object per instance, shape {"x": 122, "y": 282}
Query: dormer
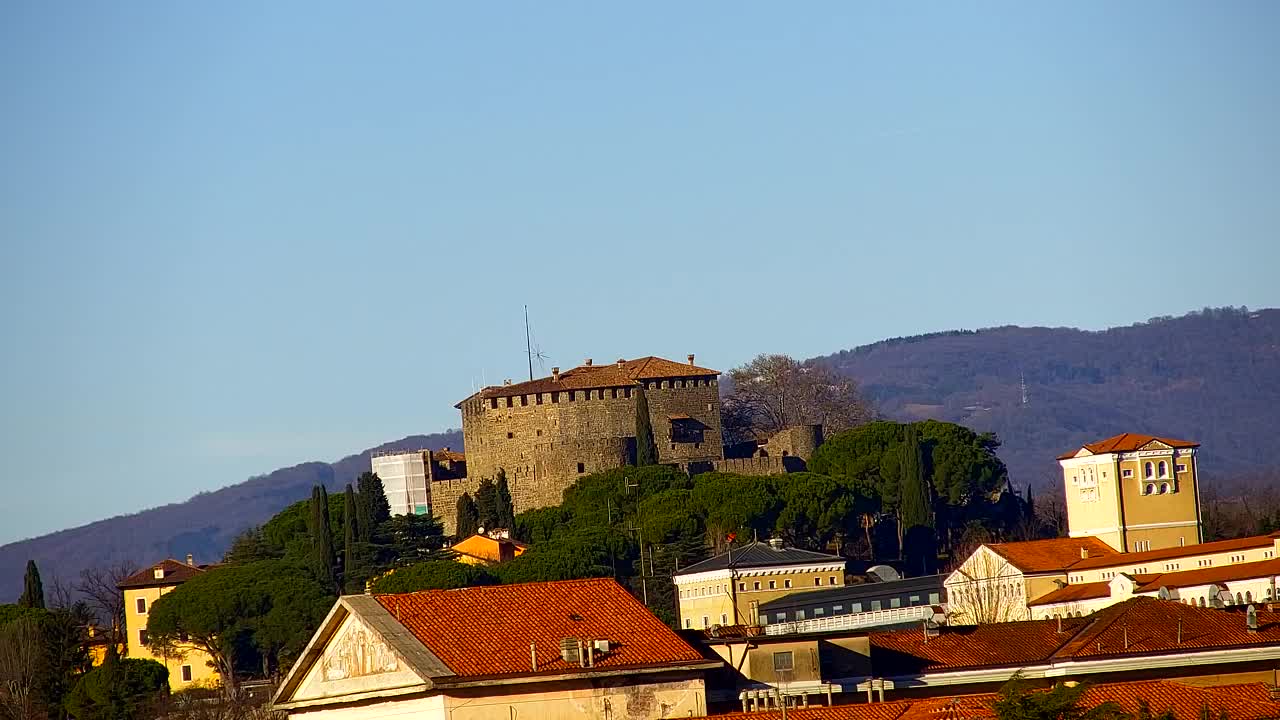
{"x": 158, "y": 572}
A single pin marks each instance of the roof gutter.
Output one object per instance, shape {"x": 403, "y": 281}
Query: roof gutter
{"x": 446, "y": 683}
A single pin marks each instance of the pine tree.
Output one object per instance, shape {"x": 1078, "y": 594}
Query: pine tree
{"x": 350, "y": 535}
{"x": 487, "y": 504}
{"x": 32, "y": 588}
{"x": 322, "y": 539}
{"x": 505, "y": 510}
{"x": 468, "y": 520}
{"x": 646, "y": 450}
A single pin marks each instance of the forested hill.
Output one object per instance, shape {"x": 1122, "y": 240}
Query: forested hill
{"x": 203, "y": 526}
{"x": 1211, "y": 376}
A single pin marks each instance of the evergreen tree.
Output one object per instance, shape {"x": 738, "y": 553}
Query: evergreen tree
{"x": 487, "y": 504}
{"x": 646, "y": 449}
{"x": 506, "y": 510}
{"x": 322, "y": 560}
{"x": 32, "y": 588}
{"x": 914, "y": 485}
{"x": 350, "y": 536}
{"x": 371, "y": 492}
{"x": 468, "y": 520}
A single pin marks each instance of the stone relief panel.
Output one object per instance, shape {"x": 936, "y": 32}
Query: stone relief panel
{"x": 357, "y": 652}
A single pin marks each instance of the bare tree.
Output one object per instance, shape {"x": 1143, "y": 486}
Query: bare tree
{"x": 986, "y": 589}
{"x": 776, "y": 391}
{"x": 100, "y": 588}
{"x": 22, "y": 665}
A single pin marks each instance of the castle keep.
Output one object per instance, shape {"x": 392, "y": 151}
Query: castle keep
{"x": 546, "y": 433}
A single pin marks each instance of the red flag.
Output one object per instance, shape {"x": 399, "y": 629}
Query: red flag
{"x": 731, "y": 537}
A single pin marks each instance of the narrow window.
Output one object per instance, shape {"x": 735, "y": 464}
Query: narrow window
{"x": 142, "y": 637}
{"x": 186, "y": 673}
{"x": 706, "y": 621}
{"x": 614, "y": 393}
{"x": 1164, "y": 469}
{"x": 782, "y": 662}
{"x": 539, "y": 398}
{"x": 524, "y": 400}
{"x": 142, "y": 606}
{"x": 581, "y": 468}
{"x": 555, "y": 398}
{"x": 817, "y": 581}
{"x": 1148, "y": 470}
{"x": 755, "y": 585}
{"x": 742, "y": 587}
{"x": 493, "y": 403}
{"x": 773, "y": 585}
{"x": 626, "y": 392}
{"x": 688, "y": 623}
{"x": 724, "y": 618}
{"x": 786, "y": 583}
{"x": 539, "y": 433}
{"x": 831, "y": 580}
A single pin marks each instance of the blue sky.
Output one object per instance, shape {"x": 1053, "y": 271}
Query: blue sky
{"x": 237, "y": 236}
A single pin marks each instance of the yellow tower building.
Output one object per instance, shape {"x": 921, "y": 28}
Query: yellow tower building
{"x": 1134, "y": 492}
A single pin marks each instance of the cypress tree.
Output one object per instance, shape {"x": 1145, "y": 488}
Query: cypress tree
{"x": 646, "y": 450}
{"x": 370, "y": 487}
{"x": 487, "y": 504}
{"x": 350, "y": 535}
{"x": 322, "y": 539}
{"x": 32, "y": 588}
{"x": 505, "y": 509}
{"x": 914, "y": 484}
{"x": 468, "y": 520}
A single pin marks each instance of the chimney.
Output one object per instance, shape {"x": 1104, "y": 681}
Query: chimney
{"x": 621, "y": 362}
{"x": 588, "y": 362}
{"x": 191, "y": 560}
{"x": 507, "y": 381}
{"x": 775, "y": 543}
{"x": 690, "y": 358}
{"x": 555, "y": 374}
{"x": 1084, "y": 553}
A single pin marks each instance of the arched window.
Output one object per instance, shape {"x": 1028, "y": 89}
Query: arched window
{"x": 1239, "y": 599}
{"x": 1149, "y": 489}
{"x": 1248, "y": 596}
{"x": 1164, "y": 488}
{"x": 1201, "y": 601}
{"x": 1148, "y": 470}
{"x": 1164, "y": 469}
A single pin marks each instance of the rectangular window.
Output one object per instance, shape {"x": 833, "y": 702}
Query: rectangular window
{"x": 773, "y": 585}
{"x": 781, "y": 617}
{"x": 855, "y": 607}
{"x": 142, "y": 606}
{"x": 799, "y": 614}
{"x": 510, "y": 435}
{"x": 786, "y": 583}
{"x": 688, "y": 623}
{"x": 837, "y": 609}
{"x": 524, "y": 400}
{"x": 706, "y": 621}
{"x": 756, "y": 585}
{"x": 555, "y": 398}
{"x": 626, "y": 392}
{"x": 724, "y": 618}
{"x": 782, "y": 662}
{"x": 539, "y": 397}
{"x": 508, "y": 402}
{"x": 1180, "y": 467}
{"x": 493, "y": 403}
{"x": 817, "y": 581}
{"x": 875, "y": 604}
{"x": 142, "y": 637}
{"x": 186, "y": 673}
{"x": 817, "y": 612}
{"x": 831, "y": 580}
{"x": 742, "y": 587}
{"x": 914, "y": 600}
{"x": 581, "y": 468}
{"x": 934, "y": 599}
{"x": 1126, "y": 473}
{"x": 895, "y": 602}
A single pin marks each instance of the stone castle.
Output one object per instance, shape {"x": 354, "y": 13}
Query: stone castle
{"x": 546, "y": 433}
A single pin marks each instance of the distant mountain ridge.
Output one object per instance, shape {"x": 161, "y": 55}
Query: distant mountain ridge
{"x": 1211, "y": 376}
{"x": 204, "y": 525}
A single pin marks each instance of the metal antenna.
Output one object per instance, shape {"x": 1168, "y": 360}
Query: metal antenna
{"x": 528, "y": 345}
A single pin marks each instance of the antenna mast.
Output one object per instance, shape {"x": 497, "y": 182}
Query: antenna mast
{"x": 529, "y": 346}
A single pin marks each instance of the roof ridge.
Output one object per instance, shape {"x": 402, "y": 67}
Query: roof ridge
{"x": 1100, "y": 622}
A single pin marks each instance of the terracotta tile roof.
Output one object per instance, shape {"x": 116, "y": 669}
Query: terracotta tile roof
{"x": 448, "y": 455}
{"x": 1139, "y": 626}
{"x": 1205, "y": 576}
{"x": 1239, "y": 702}
{"x": 175, "y": 573}
{"x": 1127, "y": 442}
{"x": 619, "y": 374}
{"x": 489, "y": 549}
{"x": 1073, "y": 593}
{"x": 487, "y": 631}
{"x": 1011, "y": 644}
{"x": 1055, "y": 554}
{"x": 1137, "y": 558}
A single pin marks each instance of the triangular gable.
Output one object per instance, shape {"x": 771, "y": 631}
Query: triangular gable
{"x": 359, "y": 652}
{"x": 1156, "y": 444}
{"x": 1083, "y": 452}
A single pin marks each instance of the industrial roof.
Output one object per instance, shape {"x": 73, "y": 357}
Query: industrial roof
{"x": 856, "y": 591}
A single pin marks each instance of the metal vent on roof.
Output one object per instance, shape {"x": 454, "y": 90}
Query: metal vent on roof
{"x": 883, "y": 573}
{"x": 1164, "y": 593}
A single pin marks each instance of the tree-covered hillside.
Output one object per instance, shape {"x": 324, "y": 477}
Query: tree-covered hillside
{"x": 1211, "y": 376}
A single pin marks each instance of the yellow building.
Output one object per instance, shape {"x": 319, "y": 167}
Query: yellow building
{"x": 189, "y": 667}
{"x": 729, "y": 589}
{"x": 1134, "y": 492}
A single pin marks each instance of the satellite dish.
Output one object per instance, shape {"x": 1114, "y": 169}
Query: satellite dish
{"x": 883, "y": 573}
{"x": 1164, "y": 593}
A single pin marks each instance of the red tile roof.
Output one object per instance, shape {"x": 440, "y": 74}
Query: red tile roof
{"x": 1074, "y": 593}
{"x": 487, "y": 631}
{"x": 1239, "y": 702}
{"x": 1137, "y": 558}
{"x": 1127, "y": 442}
{"x": 619, "y": 374}
{"x": 1052, "y": 555}
{"x": 1139, "y": 626}
{"x": 175, "y": 573}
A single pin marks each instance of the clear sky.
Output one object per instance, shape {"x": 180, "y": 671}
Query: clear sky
{"x": 238, "y": 236}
